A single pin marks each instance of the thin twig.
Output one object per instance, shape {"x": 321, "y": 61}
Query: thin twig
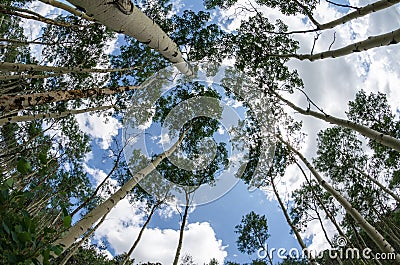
{"x": 342, "y": 5}
{"x": 334, "y": 39}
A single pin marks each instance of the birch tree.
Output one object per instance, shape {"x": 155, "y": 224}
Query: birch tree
{"x": 140, "y": 27}
{"x": 269, "y": 33}
{"x": 379, "y": 240}
{"x": 374, "y": 135}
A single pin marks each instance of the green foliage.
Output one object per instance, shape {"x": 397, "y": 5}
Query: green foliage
{"x": 196, "y": 37}
{"x": 253, "y": 233}
{"x": 374, "y": 111}
{"x": 22, "y": 237}
{"x": 286, "y": 7}
{"x": 224, "y": 4}
{"x": 23, "y": 166}
{"x": 293, "y": 261}
{"x": 91, "y": 256}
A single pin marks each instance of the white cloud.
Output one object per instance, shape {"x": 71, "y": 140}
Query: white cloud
{"x": 99, "y": 127}
{"x": 158, "y": 245}
{"x": 164, "y": 139}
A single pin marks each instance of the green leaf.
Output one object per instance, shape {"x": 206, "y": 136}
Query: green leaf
{"x": 25, "y": 237}
{"x": 43, "y": 158}
{"x": 6, "y": 228}
{"x": 10, "y": 182}
{"x": 23, "y": 166}
{"x": 57, "y": 250}
{"x": 67, "y": 221}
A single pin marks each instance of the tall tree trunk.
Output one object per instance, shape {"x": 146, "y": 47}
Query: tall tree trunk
{"x": 303, "y": 246}
{"x": 380, "y": 185}
{"x": 28, "y": 14}
{"x": 386, "y": 39}
{"x": 152, "y": 211}
{"x": 20, "y": 67}
{"x": 19, "y": 102}
{"x": 360, "y": 12}
{"x": 30, "y": 76}
{"x": 24, "y": 42}
{"x": 52, "y": 115}
{"x": 76, "y": 246}
{"x": 124, "y": 17}
{"x": 322, "y": 205}
{"x": 90, "y": 218}
{"x": 67, "y": 8}
{"x": 182, "y": 229}
{"x": 379, "y": 137}
{"x": 374, "y": 234}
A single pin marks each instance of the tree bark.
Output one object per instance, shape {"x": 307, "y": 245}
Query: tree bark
{"x": 124, "y": 17}
{"x": 328, "y": 213}
{"x": 52, "y": 115}
{"x": 379, "y": 240}
{"x": 182, "y": 229}
{"x": 20, "y": 12}
{"x": 76, "y": 246}
{"x": 20, "y": 67}
{"x": 90, "y": 218}
{"x": 67, "y": 8}
{"x": 386, "y": 39}
{"x": 360, "y": 12}
{"x": 19, "y": 102}
{"x": 380, "y": 185}
{"x": 16, "y": 77}
{"x": 303, "y": 246}
{"x": 379, "y": 137}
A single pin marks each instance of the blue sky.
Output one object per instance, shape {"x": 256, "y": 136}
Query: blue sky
{"x": 330, "y": 83}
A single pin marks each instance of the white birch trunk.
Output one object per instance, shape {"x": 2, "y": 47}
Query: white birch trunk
{"x": 67, "y": 8}
{"x": 75, "y": 247}
{"x": 387, "y": 39}
{"x": 379, "y": 137}
{"x": 52, "y": 115}
{"x": 90, "y": 218}
{"x": 374, "y": 234}
{"x": 124, "y": 17}
{"x": 20, "y": 67}
{"x": 181, "y": 231}
{"x": 18, "y": 102}
{"x": 380, "y": 185}
{"x": 362, "y": 11}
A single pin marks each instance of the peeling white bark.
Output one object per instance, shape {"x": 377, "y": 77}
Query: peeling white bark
{"x": 379, "y": 137}
{"x": 20, "y": 67}
{"x": 372, "y": 42}
{"x": 362, "y": 11}
{"x": 129, "y": 20}
{"x": 18, "y": 102}
{"x": 67, "y": 8}
{"x": 52, "y": 115}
